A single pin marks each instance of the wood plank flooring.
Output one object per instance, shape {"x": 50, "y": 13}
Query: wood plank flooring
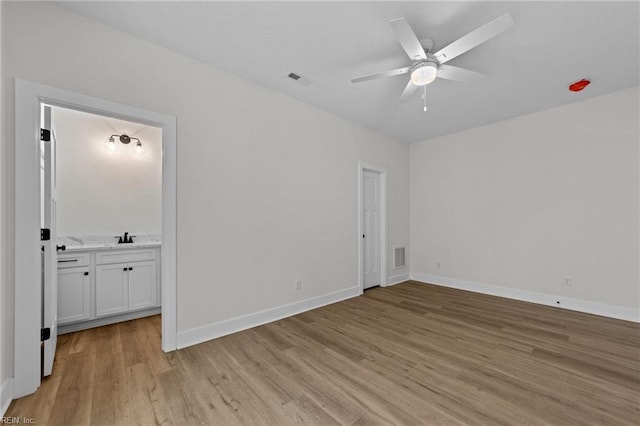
{"x": 408, "y": 354}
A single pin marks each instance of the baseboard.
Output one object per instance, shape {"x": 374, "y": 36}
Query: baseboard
{"x": 233, "y": 325}
{"x": 397, "y": 279}
{"x": 99, "y": 322}
{"x": 6, "y": 396}
{"x": 580, "y": 305}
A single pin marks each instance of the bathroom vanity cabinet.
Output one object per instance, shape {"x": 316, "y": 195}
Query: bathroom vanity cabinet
{"x": 74, "y": 294}
{"x": 107, "y": 285}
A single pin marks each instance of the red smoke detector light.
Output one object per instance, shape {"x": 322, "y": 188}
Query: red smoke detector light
{"x": 579, "y": 85}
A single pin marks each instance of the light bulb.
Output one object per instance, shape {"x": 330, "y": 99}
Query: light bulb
{"x": 139, "y": 149}
{"x": 111, "y": 144}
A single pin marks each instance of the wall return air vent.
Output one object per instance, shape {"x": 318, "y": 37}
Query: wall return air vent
{"x": 399, "y": 258}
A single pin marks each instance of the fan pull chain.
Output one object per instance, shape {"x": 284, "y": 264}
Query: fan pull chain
{"x": 424, "y": 97}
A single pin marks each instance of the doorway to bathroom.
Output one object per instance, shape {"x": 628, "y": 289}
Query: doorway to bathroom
{"x": 95, "y": 220}
{"x": 107, "y": 198}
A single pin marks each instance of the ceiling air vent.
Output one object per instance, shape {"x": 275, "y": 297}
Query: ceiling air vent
{"x": 299, "y": 79}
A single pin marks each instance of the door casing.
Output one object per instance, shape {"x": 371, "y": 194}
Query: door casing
{"x": 371, "y": 228}
{"x": 28, "y": 97}
{"x": 382, "y": 172}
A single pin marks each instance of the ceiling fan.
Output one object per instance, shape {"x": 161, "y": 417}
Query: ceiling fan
{"x": 426, "y": 66}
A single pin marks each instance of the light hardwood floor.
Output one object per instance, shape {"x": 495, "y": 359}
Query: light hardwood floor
{"x": 408, "y": 354}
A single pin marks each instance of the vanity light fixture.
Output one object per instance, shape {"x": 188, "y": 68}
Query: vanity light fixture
{"x": 125, "y": 140}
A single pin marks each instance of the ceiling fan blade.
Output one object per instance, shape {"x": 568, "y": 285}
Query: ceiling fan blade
{"x": 474, "y": 38}
{"x": 449, "y": 72}
{"x": 407, "y": 39}
{"x": 391, "y": 73}
{"x": 408, "y": 92}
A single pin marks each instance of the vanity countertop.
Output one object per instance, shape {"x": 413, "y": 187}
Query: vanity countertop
{"x": 75, "y": 244}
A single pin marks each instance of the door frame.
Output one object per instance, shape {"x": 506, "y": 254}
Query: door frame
{"x": 28, "y": 97}
{"x": 382, "y": 172}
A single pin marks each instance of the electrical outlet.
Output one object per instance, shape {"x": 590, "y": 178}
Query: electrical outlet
{"x": 299, "y": 285}
{"x": 567, "y": 281}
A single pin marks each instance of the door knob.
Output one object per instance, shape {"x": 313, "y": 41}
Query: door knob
{"x": 62, "y": 247}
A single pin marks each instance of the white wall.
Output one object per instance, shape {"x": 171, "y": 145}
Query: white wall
{"x": 105, "y": 192}
{"x": 267, "y": 185}
{"x": 525, "y": 202}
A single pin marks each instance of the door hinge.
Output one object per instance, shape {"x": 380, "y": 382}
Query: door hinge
{"x": 45, "y": 334}
{"x": 45, "y": 135}
{"x": 45, "y": 234}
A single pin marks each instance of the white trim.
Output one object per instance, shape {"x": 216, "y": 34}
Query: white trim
{"x": 233, "y": 325}
{"x": 382, "y": 171}
{"x": 27, "y": 210}
{"x": 28, "y": 96}
{"x": 397, "y": 279}
{"x": 6, "y": 396}
{"x": 580, "y": 305}
{"x": 169, "y": 251}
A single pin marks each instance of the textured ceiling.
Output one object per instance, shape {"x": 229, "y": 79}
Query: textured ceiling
{"x": 528, "y": 67}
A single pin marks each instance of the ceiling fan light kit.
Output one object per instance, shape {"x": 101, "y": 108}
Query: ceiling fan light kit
{"x": 424, "y": 73}
{"x": 426, "y": 67}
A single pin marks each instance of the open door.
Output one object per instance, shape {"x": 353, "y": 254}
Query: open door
{"x": 49, "y": 246}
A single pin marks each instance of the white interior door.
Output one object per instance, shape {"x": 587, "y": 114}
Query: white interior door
{"x": 371, "y": 228}
{"x": 49, "y": 254}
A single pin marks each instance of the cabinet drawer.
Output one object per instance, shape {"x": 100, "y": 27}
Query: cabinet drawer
{"x": 73, "y": 260}
{"x": 120, "y": 256}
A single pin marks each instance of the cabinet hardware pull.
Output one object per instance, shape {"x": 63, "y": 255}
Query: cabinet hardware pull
{"x": 124, "y": 269}
{"x": 86, "y": 273}
{"x": 131, "y": 269}
{"x": 65, "y": 261}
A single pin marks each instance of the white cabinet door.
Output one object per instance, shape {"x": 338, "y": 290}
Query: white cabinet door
{"x": 142, "y": 285}
{"x": 112, "y": 289}
{"x": 74, "y": 303}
